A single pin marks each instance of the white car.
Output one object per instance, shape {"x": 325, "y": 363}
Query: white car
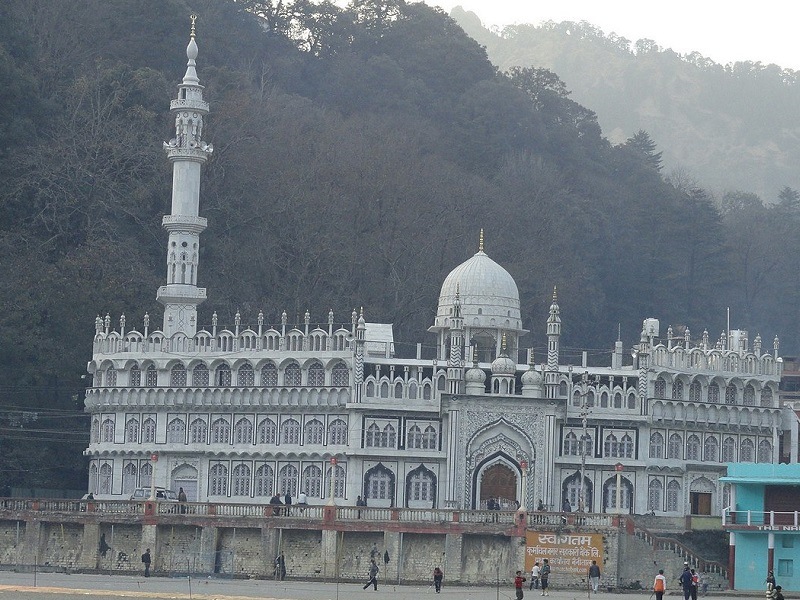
{"x": 162, "y": 494}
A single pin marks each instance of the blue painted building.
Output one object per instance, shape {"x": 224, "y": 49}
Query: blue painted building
{"x": 763, "y": 518}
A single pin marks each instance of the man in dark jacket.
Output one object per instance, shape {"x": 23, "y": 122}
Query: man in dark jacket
{"x": 146, "y": 562}
{"x": 686, "y": 581}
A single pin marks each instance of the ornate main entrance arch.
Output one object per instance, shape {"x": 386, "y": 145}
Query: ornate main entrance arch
{"x": 498, "y": 482}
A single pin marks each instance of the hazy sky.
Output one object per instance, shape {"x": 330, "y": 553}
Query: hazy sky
{"x": 724, "y": 31}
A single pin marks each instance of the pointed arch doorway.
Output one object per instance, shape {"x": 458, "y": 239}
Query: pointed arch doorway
{"x": 498, "y": 482}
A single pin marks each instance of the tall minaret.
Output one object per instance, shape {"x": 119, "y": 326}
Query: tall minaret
{"x": 553, "y": 334}
{"x": 455, "y": 366}
{"x": 187, "y": 151}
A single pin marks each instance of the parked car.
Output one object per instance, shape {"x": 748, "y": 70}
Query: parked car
{"x": 162, "y": 494}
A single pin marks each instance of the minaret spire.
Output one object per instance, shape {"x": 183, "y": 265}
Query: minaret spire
{"x": 551, "y": 377}
{"x": 187, "y": 152}
{"x": 480, "y": 242}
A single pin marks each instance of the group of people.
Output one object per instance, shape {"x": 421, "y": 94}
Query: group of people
{"x": 275, "y": 502}
{"x": 689, "y": 581}
{"x": 540, "y": 576}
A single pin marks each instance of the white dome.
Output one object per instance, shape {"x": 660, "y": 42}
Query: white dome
{"x": 532, "y": 377}
{"x": 488, "y": 294}
{"x": 502, "y": 365}
{"x": 475, "y": 375}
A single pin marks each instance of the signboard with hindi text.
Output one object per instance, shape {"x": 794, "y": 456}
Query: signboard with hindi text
{"x": 567, "y": 553}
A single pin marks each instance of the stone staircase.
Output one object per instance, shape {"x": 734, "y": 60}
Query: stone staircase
{"x": 654, "y": 551}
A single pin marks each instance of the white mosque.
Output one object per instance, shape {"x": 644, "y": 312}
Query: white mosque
{"x": 238, "y": 414}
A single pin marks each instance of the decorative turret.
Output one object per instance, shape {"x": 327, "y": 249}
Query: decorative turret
{"x": 187, "y": 151}
{"x": 475, "y": 377}
{"x": 553, "y": 337}
{"x": 503, "y": 371}
{"x": 358, "y": 362}
{"x": 532, "y": 380}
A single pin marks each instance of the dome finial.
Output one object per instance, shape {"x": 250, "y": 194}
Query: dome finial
{"x": 503, "y": 345}
{"x": 193, "y": 17}
{"x": 555, "y": 294}
{"x": 480, "y": 242}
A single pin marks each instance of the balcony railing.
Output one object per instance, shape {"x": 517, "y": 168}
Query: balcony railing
{"x": 757, "y": 518}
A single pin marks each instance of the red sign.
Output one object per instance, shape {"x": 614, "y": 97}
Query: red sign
{"x": 523, "y": 465}
{"x": 154, "y": 457}
{"x": 619, "y": 467}
{"x": 333, "y": 461}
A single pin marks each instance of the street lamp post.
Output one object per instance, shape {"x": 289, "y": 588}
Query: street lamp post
{"x": 584, "y": 440}
{"x": 332, "y": 481}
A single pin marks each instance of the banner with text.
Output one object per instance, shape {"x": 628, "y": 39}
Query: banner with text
{"x": 567, "y": 553}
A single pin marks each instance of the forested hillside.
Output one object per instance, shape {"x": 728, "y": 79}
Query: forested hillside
{"x": 731, "y": 127}
{"x": 357, "y": 154}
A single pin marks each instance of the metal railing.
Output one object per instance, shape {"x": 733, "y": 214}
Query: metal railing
{"x": 757, "y": 517}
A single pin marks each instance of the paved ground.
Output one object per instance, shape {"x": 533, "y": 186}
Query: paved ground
{"x": 55, "y": 586}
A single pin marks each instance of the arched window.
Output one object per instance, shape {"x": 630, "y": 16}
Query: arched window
{"x": 338, "y": 482}
{"x": 655, "y": 492}
{"x": 414, "y": 438}
{"x": 677, "y": 390}
{"x": 429, "y": 438}
{"x": 626, "y": 447}
{"x": 729, "y": 450}
{"x": 223, "y": 376}
{"x": 373, "y": 437}
{"x": 656, "y": 446}
{"x": 337, "y": 433}
{"x": 200, "y": 376}
{"x": 746, "y": 452}
{"x": 290, "y": 432}
{"x": 576, "y": 398}
{"x": 269, "y": 375}
{"x": 177, "y": 376}
{"x": 264, "y": 481}
{"x": 316, "y": 378}
{"x": 726, "y": 495}
{"x": 604, "y": 400}
{"x": 379, "y": 483}
{"x": 570, "y": 444}
{"x": 221, "y": 431}
{"x": 389, "y": 437}
{"x": 218, "y": 480}
{"x": 111, "y": 377}
{"x": 675, "y": 446}
{"x": 661, "y": 388}
{"x": 176, "y": 431}
{"x": 398, "y": 390}
{"x": 107, "y": 431}
{"x": 617, "y": 400}
{"x": 749, "y": 397}
{"x": 145, "y": 474}
{"x": 132, "y": 430}
{"x": 420, "y": 485}
{"x": 151, "y": 377}
{"x": 340, "y": 375}
{"x": 710, "y": 448}
{"x": 291, "y": 375}
{"x": 240, "y": 480}
{"x": 267, "y": 431}
{"x": 245, "y": 376}
{"x": 673, "y": 496}
{"x": 695, "y": 392}
{"x": 287, "y": 480}
{"x": 625, "y": 494}
{"x": 198, "y": 431}
{"x": 730, "y": 394}
{"x": 764, "y": 451}
{"x": 693, "y": 448}
{"x": 611, "y": 446}
{"x": 766, "y": 397}
{"x": 148, "y": 431}
{"x": 243, "y": 432}
{"x": 314, "y": 433}
{"x": 104, "y": 483}
{"x": 129, "y": 473}
{"x": 312, "y": 481}
{"x": 713, "y": 393}
{"x": 93, "y": 478}
{"x": 631, "y": 400}
{"x": 136, "y": 376}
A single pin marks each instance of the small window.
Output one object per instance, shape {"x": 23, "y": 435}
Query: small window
{"x": 785, "y": 567}
{"x": 787, "y": 541}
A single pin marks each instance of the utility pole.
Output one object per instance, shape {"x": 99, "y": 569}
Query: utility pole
{"x": 584, "y": 439}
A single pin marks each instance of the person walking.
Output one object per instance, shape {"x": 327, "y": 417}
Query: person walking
{"x": 686, "y": 581}
{"x": 660, "y": 585}
{"x": 438, "y": 575}
{"x": 695, "y": 584}
{"x": 373, "y": 575}
{"x": 594, "y": 576}
{"x": 535, "y": 575}
{"x": 146, "y": 562}
{"x": 518, "y": 581}
{"x": 544, "y": 576}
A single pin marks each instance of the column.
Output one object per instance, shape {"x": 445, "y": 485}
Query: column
{"x": 90, "y": 545}
{"x": 330, "y": 553}
{"x": 393, "y": 544}
{"x": 453, "y": 548}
